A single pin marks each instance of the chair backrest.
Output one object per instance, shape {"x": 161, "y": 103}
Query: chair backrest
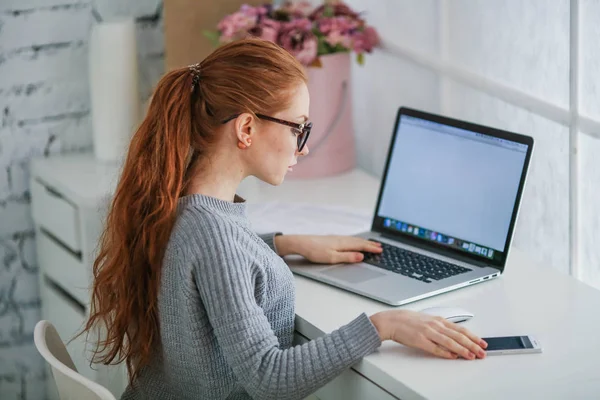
{"x": 70, "y": 384}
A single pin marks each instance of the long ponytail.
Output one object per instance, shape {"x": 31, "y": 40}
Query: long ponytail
{"x": 138, "y": 226}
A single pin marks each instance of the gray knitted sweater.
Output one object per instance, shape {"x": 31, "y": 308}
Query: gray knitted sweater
{"x": 226, "y": 309}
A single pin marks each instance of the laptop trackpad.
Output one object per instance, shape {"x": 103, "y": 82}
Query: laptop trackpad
{"x": 351, "y": 273}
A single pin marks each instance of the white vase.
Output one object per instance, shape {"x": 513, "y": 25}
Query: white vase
{"x": 114, "y": 96}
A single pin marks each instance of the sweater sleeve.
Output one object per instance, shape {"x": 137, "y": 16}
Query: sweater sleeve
{"x": 226, "y": 286}
{"x": 269, "y": 239}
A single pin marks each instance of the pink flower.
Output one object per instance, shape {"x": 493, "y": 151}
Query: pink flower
{"x": 267, "y": 29}
{"x": 366, "y": 40}
{"x": 235, "y": 26}
{"x": 300, "y": 9}
{"x": 340, "y": 24}
{"x": 338, "y": 30}
{"x": 336, "y": 37}
{"x": 296, "y": 37}
{"x": 253, "y": 11}
{"x": 339, "y": 9}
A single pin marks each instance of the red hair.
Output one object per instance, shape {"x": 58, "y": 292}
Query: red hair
{"x": 250, "y": 75}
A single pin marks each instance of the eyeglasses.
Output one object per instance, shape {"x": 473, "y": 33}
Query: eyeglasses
{"x": 302, "y": 131}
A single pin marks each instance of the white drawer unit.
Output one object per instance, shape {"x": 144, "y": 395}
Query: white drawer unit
{"x": 68, "y": 196}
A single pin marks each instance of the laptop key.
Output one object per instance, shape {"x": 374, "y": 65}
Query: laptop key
{"x": 413, "y": 265}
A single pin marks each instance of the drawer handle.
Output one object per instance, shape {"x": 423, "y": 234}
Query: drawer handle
{"x": 58, "y": 242}
{"x": 51, "y": 191}
{"x": 65, "y": 295}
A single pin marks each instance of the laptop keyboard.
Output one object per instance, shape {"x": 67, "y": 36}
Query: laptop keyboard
{"x": 413, "y": 265}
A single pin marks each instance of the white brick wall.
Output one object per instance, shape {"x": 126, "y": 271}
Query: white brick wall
{"x": 44, "y": 110}
{"x": 48, "y": 63}
{"x": 46, "y": 25}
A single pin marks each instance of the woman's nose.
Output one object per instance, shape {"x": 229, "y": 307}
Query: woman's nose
{"x": 304, "y": 151}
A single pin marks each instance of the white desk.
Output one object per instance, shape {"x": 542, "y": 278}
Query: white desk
{"x": 560, "y": 311}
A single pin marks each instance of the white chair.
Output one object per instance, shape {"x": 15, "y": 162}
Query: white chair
{"x": 70, "y": 384}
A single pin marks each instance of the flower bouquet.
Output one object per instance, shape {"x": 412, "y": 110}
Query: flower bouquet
{"x": 322, "y": 39}
{"x": 305, "y": 32}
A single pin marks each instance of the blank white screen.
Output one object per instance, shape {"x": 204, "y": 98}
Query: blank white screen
{"x": 461, "y": 186}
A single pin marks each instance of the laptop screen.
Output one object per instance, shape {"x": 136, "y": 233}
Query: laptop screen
{"x": 456, "y": 187}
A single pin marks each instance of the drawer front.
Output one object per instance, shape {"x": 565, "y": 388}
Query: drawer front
{"x": 349, "y": 385}
{"x": 68, "y": 318}
{"x": 63, "y": 266}
{"x": 55, "y": 214}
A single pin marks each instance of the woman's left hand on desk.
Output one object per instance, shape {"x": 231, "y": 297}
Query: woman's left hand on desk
{"x": 435, "y": 335}
{"x": 326, "y": 249}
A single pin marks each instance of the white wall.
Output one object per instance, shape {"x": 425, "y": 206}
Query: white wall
{"x": 386, "y": 81}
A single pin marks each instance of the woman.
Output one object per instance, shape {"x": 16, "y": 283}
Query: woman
{"x": 198, "y": 305}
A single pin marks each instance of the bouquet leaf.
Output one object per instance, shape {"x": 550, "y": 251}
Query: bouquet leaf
{"x": 322, "y": 46}
{"x": 360, "y": 58}
{"x": 328, "y": 11}
{"x": 213, "y": 36}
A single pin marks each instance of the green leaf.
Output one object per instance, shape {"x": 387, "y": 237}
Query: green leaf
{"x": 213, "y": 36}
{"x": 328, "y": 11}
{"x": 322, "y": 46}
{"x": 339, "y": 48}
{"x": 317, "y": 32}
{"x": 281, "y": 15}
{"x": 360, "y": 58}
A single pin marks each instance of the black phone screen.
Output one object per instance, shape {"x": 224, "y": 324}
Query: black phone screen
{"x": 508, "y": 343}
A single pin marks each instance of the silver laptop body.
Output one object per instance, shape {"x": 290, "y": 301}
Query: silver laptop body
{"x": 446, "y": 212}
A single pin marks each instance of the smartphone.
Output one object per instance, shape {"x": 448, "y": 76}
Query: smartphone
{"x": 512, "y": 345}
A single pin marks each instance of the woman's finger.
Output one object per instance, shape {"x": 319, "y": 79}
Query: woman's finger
{"x": 450, "y": 344}
{"x": 358, "y": 244}
{"x": 347, "y": 257}
{"x": 438, "y": 351}
{"x": 461, "y": 329}
{"x": 464, "y": 341}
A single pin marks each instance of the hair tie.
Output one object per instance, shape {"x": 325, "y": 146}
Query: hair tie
{"x": 195, "y": 70}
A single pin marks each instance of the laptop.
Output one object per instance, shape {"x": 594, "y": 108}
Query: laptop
{"x": 446, "y": 212}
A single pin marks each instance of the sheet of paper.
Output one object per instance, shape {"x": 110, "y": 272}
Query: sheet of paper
{"x": 302, "y": 218}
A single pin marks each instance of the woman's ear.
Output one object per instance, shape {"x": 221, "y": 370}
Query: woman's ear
{"x": 245, "y": 128}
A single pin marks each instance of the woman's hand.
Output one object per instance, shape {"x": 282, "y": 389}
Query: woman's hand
{"x": 326, "y": 249}
{"x": 435, "y": 335}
